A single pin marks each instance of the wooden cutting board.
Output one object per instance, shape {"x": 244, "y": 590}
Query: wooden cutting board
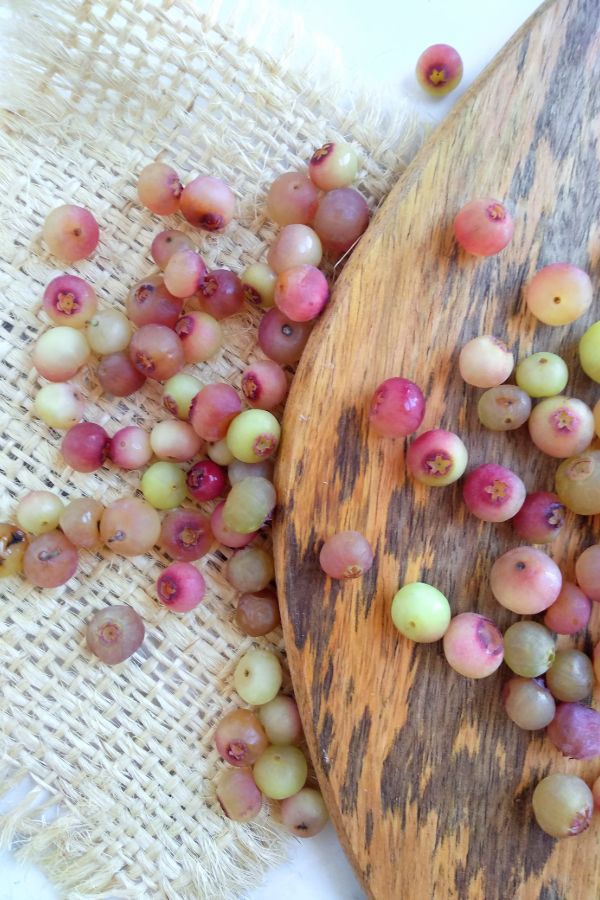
{"x": 428, "y": 783}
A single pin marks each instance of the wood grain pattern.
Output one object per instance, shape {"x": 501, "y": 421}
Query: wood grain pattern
{"x": 428, "y": 783}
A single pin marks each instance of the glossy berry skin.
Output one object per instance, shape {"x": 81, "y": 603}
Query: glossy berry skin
{"x": 240, "y": 738}
{"x": 529, "y": 648}
{"x": 130, "y": 526}
{"x": 301, "y": 293}
{"x": 50, "y": 560}
{"x": 493, "y": 493}
{"x": 559, "y": 294}
{"x": 253, "y": 435}
{"x": 80, "y": 522}
{"x": 304, "y": 813}
{"x": 504, "y": 408}
{"x": 420, "y": 612}
{"x": 179, "y": 391}
{"x": 561, "y": 426}
{"x": 295, "y": 245}
{"x": 186, "y": 535}
{"x": 163, "y": 485}
{"x": 39, "y": 512}
{"x": 281, "y": 339}
{"x": 59, "y": 405}
{"x": 130, "y": 447}
{"x": 159, "y": 188}
{"x": 292, "y": 199}
{"x": 184, "y": 272}
{"x": 570, "y": 612}
{"x": 575, "y": 731}
{"x": 69, "y": 300}
{"x": 150, "y": 303}
{"x": 264, "y": 384}
{"x": 238, "y": 796}
{"x": 439, "y": 70}
{"x": 281, "y": 720}
{"x": 258, "y": 284}
{"x": 334, "y": 165}
{"x": 281, "y": 772}
{"x": 175, "y": 441}
{"x": 485, "y": 362}
{"x": 571, "y": 676}
{"x": 473, "y": 645}
{"x": 542, "y": 374}
{"x": 257, "y": 613}
{"x": 341, "y": 217}
{"x": 200, "y": 334}
{"x": 562, "y": 805}
{"x": 525, "y": 580}
{"x": 108, "y": 331}
{"x": 249, "y": 505}
{"x": 13, "y": 543}
{"x": 225, "y": 535}
{"x": 483, "y": 227}
{"x": 437, "y": 458}
{"x": 397, "y": 408}
{"x": 114, "y": 633}
{"x": 221, "y": 294}
{"x": 206, "y": 481}
{"x": 207, "y": 203}
{"x": 528, "y": 703}
{"x": 180, "y": 586}
{"x": 587, "y": 572}
{"x": 166, "y": 244}
{"x": 156, "y": 352}
{"x": 540, "y": 519}
{"x": 577, "y": 483}
{"x": 71, "y": 233}
{"x": 346, "y": 554}
{"x": 85, "y": 447}
{"x": 589, "y": 352}
{"x": 60, "y": 353}
{"x": 213, "y": 409}
{"x": 118, "y": 376}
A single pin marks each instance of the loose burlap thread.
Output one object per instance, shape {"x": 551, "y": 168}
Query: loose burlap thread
{"x": 119, "y": 763}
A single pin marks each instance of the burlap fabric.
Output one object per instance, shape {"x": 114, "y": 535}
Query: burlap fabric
{"x": 116, "y": 766}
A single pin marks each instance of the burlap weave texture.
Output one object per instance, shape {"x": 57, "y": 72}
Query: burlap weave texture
{"x": 126, "y": 753}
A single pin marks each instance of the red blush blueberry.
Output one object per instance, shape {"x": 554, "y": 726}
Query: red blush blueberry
{"x": 525, "y": 580}
{"x": 540, "y": 519}
{"x": 575, "y": 731}
{"x": 207, "y": 203}
{"x": 181, "y": 587}
{"x": 346, "y": 555}
{"x": 71, "y": 233}
{"x": 561, "y": 426}
{"x": 69, "y": 300}
{"x": 439, "y": 70}
{"x": 118, "y": 376}
{"x": 473, "y": 645}
{"x": 493, "y": 493}
{"x": 227, "y": 536}
{"x": 184, "y": 272}
{"x": 240, "y": 738}
{"x": 397, "y": 408}
{"x": 221, "y": 294}
{"x": 587, "y": 572}
{"x": 301, "y": 293}
{"x": 437, "y": 458}
{"x": 156, "y": 352}
{"x": 150, "y": 303}
{"x": 206, "y": 481}
{"x": 570, "y": 612}
{"x": 483, "y": 227}
{"x": 341, "y": 217}
{"x": 264, "y": 384}
{"x": 281, "y": 339}
{"x": 85, "y": 447}
{"x": 213, "y": 409}
{"x": 186, "y": 535}
{"x": 167, "y": 243}
{"x": 159, "y": 189}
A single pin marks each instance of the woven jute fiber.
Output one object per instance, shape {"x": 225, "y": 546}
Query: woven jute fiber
{"x": 116, "y": 766}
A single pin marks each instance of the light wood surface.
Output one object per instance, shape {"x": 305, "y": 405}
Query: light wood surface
{"x": 428, "y": 783}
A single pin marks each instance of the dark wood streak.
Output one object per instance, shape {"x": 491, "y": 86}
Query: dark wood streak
{"x": 357, "y": 753}
{"x": 427, "y": 782}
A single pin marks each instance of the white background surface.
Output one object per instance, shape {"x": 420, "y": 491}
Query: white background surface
{"x": 377, "y": 44}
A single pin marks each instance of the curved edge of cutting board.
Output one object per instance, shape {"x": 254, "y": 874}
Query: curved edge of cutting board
{"x": 288, "y": 471}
